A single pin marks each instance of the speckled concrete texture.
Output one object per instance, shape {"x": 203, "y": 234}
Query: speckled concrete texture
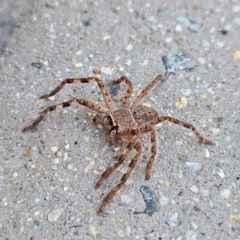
{"x": 48, "y": 173}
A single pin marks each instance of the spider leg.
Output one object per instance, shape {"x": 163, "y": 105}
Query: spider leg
{"x": 153, "y": 150}
{"x": 121, "y": 159}
{"x": 86, "y": 103}
{"x": 146, "y": 127}
{"x": 129, "y": 90}
{"x": 102, "y": 86}
{"x": 124, "y": 178}
{"x": 146, "y": 90}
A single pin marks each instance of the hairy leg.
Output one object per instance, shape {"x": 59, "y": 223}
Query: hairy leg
{"x": 146, "y": 127}
{"x": 124, "y": 178}
{"x": 102, "y": 86}
{"x": 129, "y": 90}
{"x": 146, "y": 90}
{"x": 121, "y": 159}
{"x": 86, "y": 103}
{"x": 153, "y": 155}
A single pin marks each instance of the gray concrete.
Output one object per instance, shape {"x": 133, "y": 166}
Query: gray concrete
{"x": 48, "y": 174}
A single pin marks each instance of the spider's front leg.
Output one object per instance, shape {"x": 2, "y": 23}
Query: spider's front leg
{"x": 86, "y": 103}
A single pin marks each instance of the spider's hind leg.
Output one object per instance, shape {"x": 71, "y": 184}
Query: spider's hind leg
{"x": 153, "y": 150}
{"x": 124, "y": 178}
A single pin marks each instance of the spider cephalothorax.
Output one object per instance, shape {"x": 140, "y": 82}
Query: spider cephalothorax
{"x": 126, "y": 123}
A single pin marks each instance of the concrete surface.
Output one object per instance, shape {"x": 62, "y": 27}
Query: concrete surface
{"x": 48, "y": 174}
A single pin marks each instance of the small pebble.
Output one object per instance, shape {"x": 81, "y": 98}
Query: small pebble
{"x": 14, "y": 175}
{"x": 186, "y": 92}
{"x": 36, "y": 225}
{"x": 225, "y": 193}
{"x": 163, "y": 201}
{"x": 194, "y": 189}
{"x": 194, "y": 166}
{"x": 89, "y": 167}
{"x": 234, "y": 218}
{"x": 55, "y": 161}
{"x": 67, "y": 146}
{"x": 78, "y": 65}
{"x": 54, "y": 167}
{"x": 181, "y": 102}
{"x": 236, "y": 9}
{"x": 221, "y": 173}
{"x": 52, "y": 98}
{"x": 236, "y": 54}
{"x": 178, "y": 28}
{"x": 54, "y": 149}
{"x": 38, "y": 201}
{"x": 215, "y": 131}
{"x": 95, "y": 71}
{"x": 173, "y": 221}
{"x": 202, "y": 60}
{"x": 54, "y": 215}
{"x": 65, "y": 156}
{"x": 126, "y": 199}
{"x": 207, "y": 155}
{"x": 129, "y": 47}
{"x": 108, "y": 70}
{"x": 191, "y": 235}
{"x": 94, "y": 231}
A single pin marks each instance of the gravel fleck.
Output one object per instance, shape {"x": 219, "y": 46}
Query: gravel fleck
{"x": 194, "y": 166}
{"x": 54, "y": 215}
{"x": 173, "y": 221}
{"x": 225, "y": 193}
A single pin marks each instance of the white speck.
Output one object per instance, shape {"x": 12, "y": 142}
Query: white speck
{"x": 67, "y": 146}
{"x": 202, "y": 60}
{"x": 106, "y": 37}
{"x": 94, "y": 231}
{"x": 126, "y": 199}
{"x": 168, "y": 39}
{"x": 128, "y": 62}
{"x": 55, "y": 160}
{"x": 116, "y": 149}
{"x": 179, "y": 143}
{"x": 212, "y": 30}
{"x": 54, "y": 215}
{"x": 236, "y": 9}
{"x": 54, "y": 149}
{"x": 209, "y": 90}
{"x": 178, "y": 28}
{"x": 228, "y": 27}
{"x": 194, "y": 166}
{"x": 129, "y": 47}
{"x": 225, "y": 193}
{"x": 194, "y": 189}
{"x": 163, "y": 201}
{"x": 116, "y": 58}
{"x": 65, "y": 188}
{"x": 191, "y": 235}
{"x": 89, "y": 167}
{"x": 77, "y": 65}
{"x": 67, "y": 70}
{"x": 145, "y": 62}
{"x": 206, "y": 44}
{"x": 194, "y": 225}
{"x": 205, "y": 192}
{"x": 237, "y": 20}
{"x": 221, "y": 173}
{"x": 70, "y": 167}
{"x": 211, "y": 204}
{"x": 207, "y": 155}
{"x": 215, "y": 131}
{"x": 218, "y": 44}
{"x": 173, "y": 221}
{"x": 186, "y": 92}
{"x": 108, "y": 70}
{"x": 121, "y": 69}
{"x": 65, "y": 156}
{"x": 78, "y": 52}
{"x": 14, "y": 175}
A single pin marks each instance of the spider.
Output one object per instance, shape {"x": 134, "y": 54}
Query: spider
{"x": 126, "y": 123}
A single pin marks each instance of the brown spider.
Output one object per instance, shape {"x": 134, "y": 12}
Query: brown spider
{"x": 126, "y": 123}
